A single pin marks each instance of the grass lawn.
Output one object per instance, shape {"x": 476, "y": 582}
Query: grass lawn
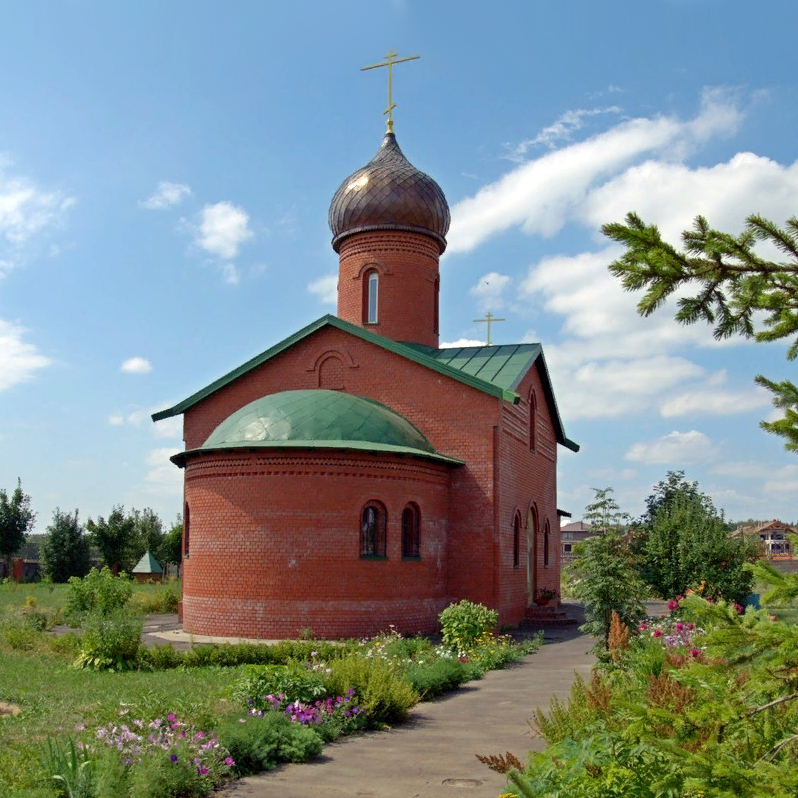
{"x": 52, "y": 597}
{"x": 55, "y": 698}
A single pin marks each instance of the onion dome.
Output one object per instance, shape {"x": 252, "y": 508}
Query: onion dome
{"x": 389, "y": 193}
{"x": 318, "y": 419}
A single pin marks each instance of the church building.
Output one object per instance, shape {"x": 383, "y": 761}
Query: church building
{"x": 357, "y": 475}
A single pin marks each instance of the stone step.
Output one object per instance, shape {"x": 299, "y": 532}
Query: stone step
{"x": 547, "y": 616}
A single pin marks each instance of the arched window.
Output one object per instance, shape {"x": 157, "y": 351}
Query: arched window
{"x": 533, "y": 420}
{"x": 186, "y": 526}
{"x": 436, "y": 306}
{"x": 546, "y": 546}
{"x": 516, "y": 540}
{"x": 371, "y": 285}
{"x": 373, "y": 522}
{"x": 411, "y": 524}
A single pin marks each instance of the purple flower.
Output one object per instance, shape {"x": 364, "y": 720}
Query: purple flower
{"x": 228, "y": 760}
{"x": 173, "y": 758}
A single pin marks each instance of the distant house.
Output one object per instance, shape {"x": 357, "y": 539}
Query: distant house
{"x": 571, "y": 534}
{"x": 772, "y": 537}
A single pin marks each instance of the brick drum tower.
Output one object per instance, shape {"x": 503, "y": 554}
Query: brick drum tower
{"x": 356, "y": 475}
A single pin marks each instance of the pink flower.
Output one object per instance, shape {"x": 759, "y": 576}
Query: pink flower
{"x": 694, "y": 652}
{"x": 691, "y": 626}
{"x": 228, "y": 760}
{"x": 672, "y": 605}
{"x": 79, "y": 727}
{"x": 643, "y": 627}
{"x": 657, "y": 633}
{"x": 199, "y": 735}
{"x": 170, "y": 717}
{"x": 679, "y": 627}
{"x": 771, "y": 617}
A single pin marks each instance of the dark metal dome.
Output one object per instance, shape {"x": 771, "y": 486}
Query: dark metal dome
{"x": 389, "y": 193}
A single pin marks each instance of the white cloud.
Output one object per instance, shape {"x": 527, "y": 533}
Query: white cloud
{"x": 230, "y": 274}
{"x": 325, "y": 289}
{"x": 714, "y": 402}
{"x": 544, "y": 193}
{"x": 136, "y": 365}
{"x": 166, "y": 195}
{"x": 748, "y": 469}
{"x": 19, "y": 361}
{"x": 612, "y": 388}
{"x": 222, "y": 228}
{"x": 783, "y": 482}
{"x": 26, "y": 209}
{"x": 489, "y": 290}
{"x": 168, "y": 427}
{"x": 163, "y": 477}
{"x": 561, "y": 130}
{"x": 133, "y": 419}
{"x": 460, "y": 343}
{"x": 675, "y": 448}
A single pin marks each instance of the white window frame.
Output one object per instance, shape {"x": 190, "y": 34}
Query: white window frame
{"x": 372, "y": 298}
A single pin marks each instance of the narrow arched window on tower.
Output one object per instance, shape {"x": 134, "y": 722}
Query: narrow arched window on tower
{"x": 411, "y": 523}
{"x": 516, "y": 540}
{"x": 546, "y": 546}
{"x": 372, "y": 530}
{"x": 436, "y": 306}
{"x": 371, "y": 285}
{"x": 186, "y": 526}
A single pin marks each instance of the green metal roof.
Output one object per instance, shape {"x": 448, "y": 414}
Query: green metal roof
{"x": 495, "y": 370}
{"x": 147, "y": 565}
{"x": 318, "y": 419}
{"x": 502, "y": 366}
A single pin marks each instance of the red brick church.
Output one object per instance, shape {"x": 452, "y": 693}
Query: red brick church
{"x": 355, "y": 474}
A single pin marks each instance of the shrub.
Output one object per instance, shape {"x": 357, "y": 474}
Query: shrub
{"x": 110, "y": 641}
{"x": 294, "y": 681}
{"x": 98, "y": 592}
{"x": 383, "y": 694}
{"x": 157, "y": 603}
{"x": 463, "y": 622}
{"x": 430, "y": 679}
{"x": 261, "y": 743}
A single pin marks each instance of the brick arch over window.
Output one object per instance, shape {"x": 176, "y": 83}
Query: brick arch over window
{"x": 517, "y": 539}
{"x": 186, "y": 528}
{"x": 546, "y": 546}
{"x": 373, "y": 528}
{"x": 533, "y": 419}
{"x": 411, "y": 530}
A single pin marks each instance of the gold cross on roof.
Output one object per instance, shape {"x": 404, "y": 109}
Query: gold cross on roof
{"x": 489, "y": 318}
{"x": 390, "y": 60}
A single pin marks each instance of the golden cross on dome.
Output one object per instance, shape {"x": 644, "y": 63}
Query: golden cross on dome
{"x": 390, "y": 60}
{"x": 489, "y": 318}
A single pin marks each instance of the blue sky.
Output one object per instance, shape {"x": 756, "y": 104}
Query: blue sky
{"x": 165, "y": 174}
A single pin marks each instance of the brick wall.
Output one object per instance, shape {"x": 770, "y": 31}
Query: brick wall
{"x": 275, "y": 544}
{"x": 407, "y": 264}
{"x": 527, "y": 480}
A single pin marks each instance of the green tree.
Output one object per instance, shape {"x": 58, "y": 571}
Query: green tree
{"x": 65, "y": 548}
{"x": 148, "y": 533}
{"x": 735, "y": 287}
{"x": 689, "y": 544}
{"x": 171, "y": 548}
{"x": 607, "y": 580}
{"x": 114, "y": 538}
{"x": 16, "y": 521}
{"x": 674, "y": 487}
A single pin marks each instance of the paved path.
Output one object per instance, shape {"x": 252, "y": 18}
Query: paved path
{"x": 433, "y": 754}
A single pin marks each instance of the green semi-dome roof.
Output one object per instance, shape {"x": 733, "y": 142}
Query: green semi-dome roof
{"x": 317, "y": 419}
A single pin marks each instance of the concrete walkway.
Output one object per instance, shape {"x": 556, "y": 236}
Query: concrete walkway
{"x": 433, "y": 754}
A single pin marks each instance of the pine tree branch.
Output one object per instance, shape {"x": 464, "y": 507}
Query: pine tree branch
{"x": 776, "y": 748}
{"x": 755, "y": 711}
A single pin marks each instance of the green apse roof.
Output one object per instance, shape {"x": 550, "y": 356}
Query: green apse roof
{"x": 495, "y": 370}
{"x": 147, "y": 565}
{"x": 318, "y": 419}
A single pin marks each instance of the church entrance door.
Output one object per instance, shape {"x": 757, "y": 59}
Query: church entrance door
{"x": 531, "y": 563}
